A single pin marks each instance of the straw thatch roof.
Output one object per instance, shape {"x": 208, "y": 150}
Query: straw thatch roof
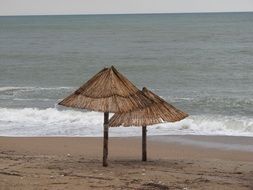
{"x": 107, "y": 91}
{"x": 158, "y": 112}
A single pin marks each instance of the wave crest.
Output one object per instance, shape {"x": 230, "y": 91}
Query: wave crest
{"x": 54, "y": 122}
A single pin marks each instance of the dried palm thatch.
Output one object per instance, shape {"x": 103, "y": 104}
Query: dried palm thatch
{"x": 107, "y": 91}
{"x": 158, "y": 112}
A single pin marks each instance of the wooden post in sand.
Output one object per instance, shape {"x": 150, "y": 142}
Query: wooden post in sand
{"x": 144, "y": 143}
{"x": 105, "y": 150}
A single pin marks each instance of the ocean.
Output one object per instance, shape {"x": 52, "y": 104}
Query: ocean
{"x": 201, "y": 63}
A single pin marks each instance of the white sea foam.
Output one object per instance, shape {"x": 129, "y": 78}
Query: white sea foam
{"x": 15, "y": 88}
{"x": 11, "y": 88}
{"x": 53, "y": 122}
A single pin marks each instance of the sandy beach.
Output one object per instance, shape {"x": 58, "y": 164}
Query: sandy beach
{"x": 174, "y": 162}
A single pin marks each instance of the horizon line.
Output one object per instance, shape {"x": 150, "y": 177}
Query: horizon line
{"x": 144, "y": 13}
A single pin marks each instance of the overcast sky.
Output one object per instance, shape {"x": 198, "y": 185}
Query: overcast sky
{"x": 27, "y": 7}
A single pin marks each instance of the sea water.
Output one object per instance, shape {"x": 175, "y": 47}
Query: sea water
{"x": 200, "y": 63}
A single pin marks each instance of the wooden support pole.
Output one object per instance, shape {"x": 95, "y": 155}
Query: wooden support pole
{"x": 106, "y": 129}
{"x": 144, "y": 143}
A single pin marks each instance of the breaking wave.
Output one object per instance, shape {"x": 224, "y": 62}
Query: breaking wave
{"x": 56, "y": 122}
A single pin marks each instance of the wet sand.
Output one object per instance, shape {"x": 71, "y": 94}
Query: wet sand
{"x": 174, "y": 162}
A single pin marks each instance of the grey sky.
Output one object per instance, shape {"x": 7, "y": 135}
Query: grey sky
{"x": 26, "y": 7}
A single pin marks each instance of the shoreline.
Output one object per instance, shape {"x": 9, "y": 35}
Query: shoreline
{"x": 158, "y": 147}
{"x": 220, "y": 142}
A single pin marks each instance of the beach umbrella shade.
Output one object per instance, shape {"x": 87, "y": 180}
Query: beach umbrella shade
{"x": 159, "y": 111}
{"x": 107, "y": 91}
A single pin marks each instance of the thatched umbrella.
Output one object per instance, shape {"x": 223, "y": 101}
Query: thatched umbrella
{"x": 158, "y": 112}
{"x": 107, "y": 91}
